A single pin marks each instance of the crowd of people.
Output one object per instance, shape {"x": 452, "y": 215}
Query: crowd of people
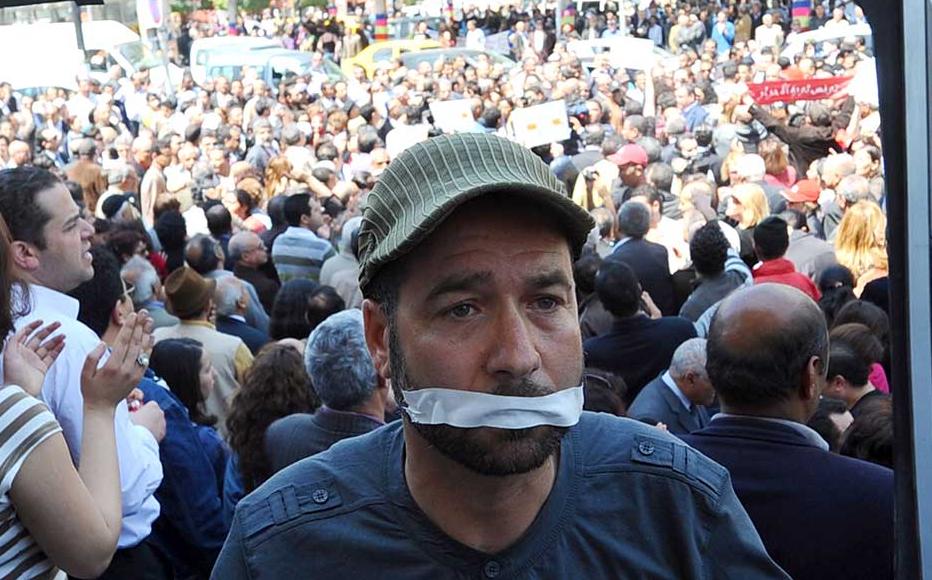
{"x": 203, "y": 287}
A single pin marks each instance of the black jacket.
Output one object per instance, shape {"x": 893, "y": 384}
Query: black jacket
{"x": 265, "y": 287}
{"x": 821, "y": 516}
{"x": 806, "y": 143}
{"x": 638, "y": 348}
{"x": 253, "y": 338}
{"x": 651, "y": 263}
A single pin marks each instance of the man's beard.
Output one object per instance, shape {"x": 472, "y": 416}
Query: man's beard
{"x": 484, "y": 450}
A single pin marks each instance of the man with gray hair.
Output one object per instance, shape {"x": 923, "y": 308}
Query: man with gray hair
{"x": 231, "y": 300}
{"x": 678, "y": 398}
{"x": 250, "y": 259}
{"x": 145, "y": 289}
{"x": 835, "y": 168}
{"x": 121, "y": 180}
{"x": 265, "y": 147}
{"x": 838, "y": 174}
{"x": 355, "y": 399}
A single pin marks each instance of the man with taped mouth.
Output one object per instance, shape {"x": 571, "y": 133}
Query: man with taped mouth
{"x": 466, "y": 253}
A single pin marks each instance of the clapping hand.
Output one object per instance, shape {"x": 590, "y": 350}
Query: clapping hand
{"x": 108, "y": 385}
{"x": 26, "y": 358}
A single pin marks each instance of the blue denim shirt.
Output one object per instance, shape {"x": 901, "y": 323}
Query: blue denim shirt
{"x": 191, "y": 528}
{"x": 629, "y": 501}
{"x": 233, "y": 488}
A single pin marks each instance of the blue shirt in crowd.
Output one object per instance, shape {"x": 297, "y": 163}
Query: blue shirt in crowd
{"x": 191, "y": 528}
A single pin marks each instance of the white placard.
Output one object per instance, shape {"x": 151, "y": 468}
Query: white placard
{"x": 453, "y": 116}
{"x": 632, "y": 53}
{"x": 540, "y": 124}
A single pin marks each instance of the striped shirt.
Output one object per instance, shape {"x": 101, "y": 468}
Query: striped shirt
{"x": 25, "y": 422}
{"x": 299, "y": 253}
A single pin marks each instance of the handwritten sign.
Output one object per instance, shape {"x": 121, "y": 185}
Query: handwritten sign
{"x": 540, "y": 124}
{"x": 791, "y": 91}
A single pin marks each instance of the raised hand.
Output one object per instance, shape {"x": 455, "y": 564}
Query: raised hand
{"x": 27, "y": 355}
{"x": 108, "y": 385}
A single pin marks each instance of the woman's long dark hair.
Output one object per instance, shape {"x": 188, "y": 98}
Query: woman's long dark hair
{"x": 288, "y": 318}
{"x": 178, "y": 362}
{"x": 12, "y": 304}
{"x": 275, "y": 386}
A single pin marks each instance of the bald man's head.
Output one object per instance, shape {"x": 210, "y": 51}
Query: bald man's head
{"x": 767, "y": 351}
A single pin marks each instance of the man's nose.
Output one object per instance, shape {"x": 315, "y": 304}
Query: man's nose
{"x": 514, "y": 349}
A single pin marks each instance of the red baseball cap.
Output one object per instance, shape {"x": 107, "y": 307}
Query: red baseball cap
{"x": 630, "y": 155}
{"x": 804, "y": 190}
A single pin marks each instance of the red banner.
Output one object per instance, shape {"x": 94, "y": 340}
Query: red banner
{"x": 790, "y": 91}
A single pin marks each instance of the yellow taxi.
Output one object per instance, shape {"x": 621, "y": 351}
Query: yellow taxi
{"x": 386, "y": 51}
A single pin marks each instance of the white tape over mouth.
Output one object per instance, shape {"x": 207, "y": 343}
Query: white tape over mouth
{"x": 469, "y": 409}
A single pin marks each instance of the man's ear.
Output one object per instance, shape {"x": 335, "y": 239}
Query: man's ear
{"x": 25, "y": 256}
{"x": 813, "y": 379}
{"x": 376, "y": 328}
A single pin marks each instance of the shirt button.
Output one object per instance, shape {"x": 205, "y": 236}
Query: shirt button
{"x": 320, "y": 496}
{"x": 492, "y": 569}
{"x": 646, "y": 448}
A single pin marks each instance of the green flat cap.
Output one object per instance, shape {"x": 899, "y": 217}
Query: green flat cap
{"x": 427, "y": 182}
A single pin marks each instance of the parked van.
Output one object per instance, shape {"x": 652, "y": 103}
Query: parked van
{"x": 203, "y": 49}
{"x": 59, "y": 63}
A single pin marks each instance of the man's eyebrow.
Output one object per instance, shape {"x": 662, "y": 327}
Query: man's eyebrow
{"x": 548, "y": 279}
{"x": 460, "y": 283}
{"x": 72, "y": 220}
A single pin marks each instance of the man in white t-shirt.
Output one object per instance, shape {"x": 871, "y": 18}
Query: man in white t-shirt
{"x": 475, "y": 37}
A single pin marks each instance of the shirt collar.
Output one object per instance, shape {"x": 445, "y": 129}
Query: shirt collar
{"x": 298, "y": 230}
{"x": 811, "y": 436}
{"x": 203, "y": 323}
{"x": 237, "y": 317}
{"x": 43, "y": 298}
{"x": 327, "y": 410}
{"x": 668, "y": 380}
{"x": 774, "y": 267}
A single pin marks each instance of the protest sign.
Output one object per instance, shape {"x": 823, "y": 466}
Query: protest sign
{"x": 453, "y": 116}
{"x": 540, "y": 124}
{"x": 791, "y": 91}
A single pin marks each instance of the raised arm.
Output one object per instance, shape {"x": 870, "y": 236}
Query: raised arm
{"x": 650, "y": 100}
{"x": 75, "y": 515}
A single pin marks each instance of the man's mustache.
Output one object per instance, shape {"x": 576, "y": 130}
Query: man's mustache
{"x": 523, "y": 388}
